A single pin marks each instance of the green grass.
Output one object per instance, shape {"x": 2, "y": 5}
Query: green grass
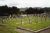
{"x": 12, "y": 23}
{"x": 8, "y": 26}
{"x": 36, "y": 23}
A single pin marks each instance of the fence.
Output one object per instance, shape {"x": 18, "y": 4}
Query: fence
{"x": 34, "y": 18}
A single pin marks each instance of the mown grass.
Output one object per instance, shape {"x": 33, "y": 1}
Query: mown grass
{"x": 8, "y": 26}
{"x": 36, "y": 23}
{"x": 12, "y": 23}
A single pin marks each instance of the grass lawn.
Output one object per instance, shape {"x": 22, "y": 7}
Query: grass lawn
{"x": 36, "y": 23}
{"x": 7, "y": 26}
{"x": 12, "y": 23}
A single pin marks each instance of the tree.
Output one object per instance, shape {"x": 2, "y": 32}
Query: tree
{"x": 29, "y": 11}
{"x": 34, "y": 11}
{"x": 5, "y": 10}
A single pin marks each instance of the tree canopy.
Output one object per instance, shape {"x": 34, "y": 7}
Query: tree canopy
{"x": 5, "y": 10}
{"x": 9, "y": 10}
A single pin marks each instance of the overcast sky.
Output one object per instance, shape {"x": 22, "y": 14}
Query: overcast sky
{"x": 26, "y": 3}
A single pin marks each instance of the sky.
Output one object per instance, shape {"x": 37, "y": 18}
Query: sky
{"x": 26, "y": 3}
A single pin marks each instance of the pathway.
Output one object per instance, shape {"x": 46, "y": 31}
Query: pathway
{"x": 22, "y": 30}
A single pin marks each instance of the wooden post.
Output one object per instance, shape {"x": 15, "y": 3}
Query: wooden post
{"x": 21, "y": 20}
